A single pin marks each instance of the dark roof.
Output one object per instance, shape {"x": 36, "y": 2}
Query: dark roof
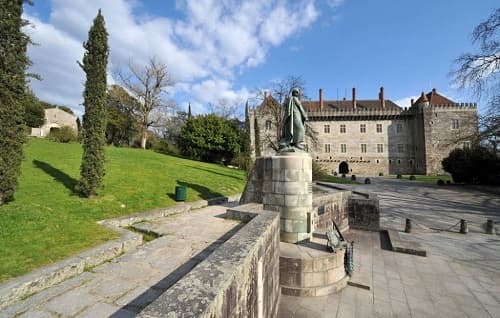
{"x": 332, "y": 105}
{"x": 435, "y": 98}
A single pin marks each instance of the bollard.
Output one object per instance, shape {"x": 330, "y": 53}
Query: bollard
{"x": 408, "y": 226}
{"x": 490, "y": 227}
{"x": 463, "y": 227}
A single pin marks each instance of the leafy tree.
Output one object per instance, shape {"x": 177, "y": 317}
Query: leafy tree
{"x": 34, "y": 113}
{"x": 480, "y": 72}
{"x": 147, "y": 85}
{"x": 474, "y": 165}
{"x": 13, "y": 65}
{"x": 95, "y": 61}
{"x": 122, "y": 121}
{"x": 210, "y": 138}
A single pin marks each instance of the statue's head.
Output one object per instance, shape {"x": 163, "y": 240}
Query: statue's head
{"x": 295, "y": 92}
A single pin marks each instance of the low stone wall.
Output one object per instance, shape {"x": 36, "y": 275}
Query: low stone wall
{"x": 363, "y": 209}
{"x": 364, "y": 213}
{"x": 255, "y": 183}
{"x": 241, "y": 278}
{"x": 330, "y": 206}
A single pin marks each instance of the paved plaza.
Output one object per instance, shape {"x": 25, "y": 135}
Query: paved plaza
{"x": 460, "y": 277}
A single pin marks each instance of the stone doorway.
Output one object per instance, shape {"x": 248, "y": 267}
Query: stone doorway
{"x": 343, "y": 168}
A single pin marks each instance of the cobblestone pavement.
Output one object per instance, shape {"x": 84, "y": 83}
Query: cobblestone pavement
{"x": 126, "y": 285}
{"x": 460, "y": 277}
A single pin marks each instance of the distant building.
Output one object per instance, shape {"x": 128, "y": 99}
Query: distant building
{"x": 377, "y": 136}
{"x": 55, "y": 118}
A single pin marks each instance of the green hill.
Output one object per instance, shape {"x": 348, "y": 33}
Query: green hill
{"x": 48, "y": 221}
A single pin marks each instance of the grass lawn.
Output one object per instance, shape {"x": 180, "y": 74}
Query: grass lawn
{"x": 48, "y": 221}
{"x": 427, "y": 179}
{"x": 334, "y": 179}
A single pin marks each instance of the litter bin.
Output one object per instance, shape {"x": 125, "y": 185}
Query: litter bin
{"x": 180, "y": 193}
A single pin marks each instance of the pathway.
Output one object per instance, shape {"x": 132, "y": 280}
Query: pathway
{"x": 127, "y": 284}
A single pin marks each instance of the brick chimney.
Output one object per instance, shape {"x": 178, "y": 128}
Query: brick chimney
{"x": 320, "y": 99}
{"x": 265, "y": 94}
{"x": 381, "y": 97}
{"x": 354, "y": 97}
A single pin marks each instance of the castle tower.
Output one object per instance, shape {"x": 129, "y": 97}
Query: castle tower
{"x": 446, "y": 125}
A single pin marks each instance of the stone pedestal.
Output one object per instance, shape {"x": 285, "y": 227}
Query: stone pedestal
{"x": 287, "y": 188}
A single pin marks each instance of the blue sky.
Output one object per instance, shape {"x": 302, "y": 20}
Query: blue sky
{"x": 224, "y": 50}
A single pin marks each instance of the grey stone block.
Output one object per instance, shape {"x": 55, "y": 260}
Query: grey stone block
{"x": 293, "y": 225}
{"x": 274, "y": 199}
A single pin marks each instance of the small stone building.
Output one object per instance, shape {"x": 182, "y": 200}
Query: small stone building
{"x": 55, "y": 118}
{"x": 377, "y": 136}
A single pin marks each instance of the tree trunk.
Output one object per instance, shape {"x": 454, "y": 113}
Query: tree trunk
{"x": 144, "y": 136}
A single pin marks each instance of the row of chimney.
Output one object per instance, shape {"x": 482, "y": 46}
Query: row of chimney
{"x": 381, "y": 98}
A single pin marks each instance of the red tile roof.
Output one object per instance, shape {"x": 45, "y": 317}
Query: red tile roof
{"x": 434, "y": 98}
{"x": 332, "y": 105}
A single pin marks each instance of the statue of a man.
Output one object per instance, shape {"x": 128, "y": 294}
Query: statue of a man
{"x": 294, "y": 120}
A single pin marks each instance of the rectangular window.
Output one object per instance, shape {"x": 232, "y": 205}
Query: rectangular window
{"x": 380, "y": 148}
{"x": 399, "y": 128}
{"x": 342, "y": 129}
{"x": 454, "y": 124}
{"x": 362, "y": 128}
{"x": 343, "y": 148}
{"x": 269, "y": 125}
{"x": 466, "y": 144}
{"x": 401, "y": 148}
{"x": 327, "y": 129}
{"x": 363, "y": 148}
{"x": 327, "y": 147}
{"x": 379, "y": 128}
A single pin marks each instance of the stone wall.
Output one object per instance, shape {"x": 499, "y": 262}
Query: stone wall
{"x": 414, "y": 141}
{"x": 440, "y": 135}
{"x": 364, "y": 213}
{"x": 331, "y": 206}
{"x": 55, "y": 118}
{"x": 254, "y": 186}
{"x": 240, "y": 279}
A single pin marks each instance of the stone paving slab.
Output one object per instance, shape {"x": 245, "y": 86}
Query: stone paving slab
{"x": 401, "y": 244}
{"x": 125, "y": 285}
{"x": 460, "y": 277}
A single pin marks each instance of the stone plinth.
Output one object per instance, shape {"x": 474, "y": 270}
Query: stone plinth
{"x": 307, "y": 269}
{"x": 287, "y": 188}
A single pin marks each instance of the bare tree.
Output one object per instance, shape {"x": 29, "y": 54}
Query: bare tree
{"x": 148, "y": 85}
{"x": 275, "y": 100}
{"x": 226, "y": 108}
{"x": 480, "y": 72}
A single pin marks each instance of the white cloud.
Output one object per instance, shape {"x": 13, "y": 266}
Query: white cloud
{"x": 204, "y": 50}
{"x": 405, "y": 101}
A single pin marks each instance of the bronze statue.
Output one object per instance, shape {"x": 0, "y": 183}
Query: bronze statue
{"x": 294, "y": 120}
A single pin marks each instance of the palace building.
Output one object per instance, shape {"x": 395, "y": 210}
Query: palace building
{"x": 376, "y": 136}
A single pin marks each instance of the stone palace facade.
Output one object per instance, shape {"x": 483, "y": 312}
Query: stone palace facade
{"x": 375, "y": 136}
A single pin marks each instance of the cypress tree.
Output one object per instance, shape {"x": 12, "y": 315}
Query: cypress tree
{"x": 13, "y": 65}
{"x": 95, "y": 61}
{"x": 257, "y": 138}
{"x": 247, "y": 142}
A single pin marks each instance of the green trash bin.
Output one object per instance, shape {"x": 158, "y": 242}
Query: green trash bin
{"x": 180, "y": 193}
